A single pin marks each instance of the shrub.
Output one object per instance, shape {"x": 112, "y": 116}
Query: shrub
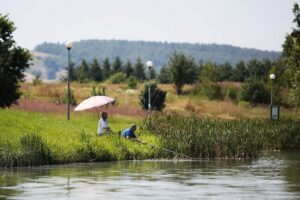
{"x": 254, "y": 91}
{"x": 132, "y": 82}
{"x": 119, "y": 77}
{"x": 72, "y": 98}
{"x": 211, "y": 90}
{"x": 100, "y": 91}
{"x": 232, "y": 94}
{"x": 157, "y": 97}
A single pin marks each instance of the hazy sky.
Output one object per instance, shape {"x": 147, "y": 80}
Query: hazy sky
{"x": 260, "y": 24}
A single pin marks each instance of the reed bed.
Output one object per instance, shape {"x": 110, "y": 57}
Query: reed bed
{"x": 209, "y": 138}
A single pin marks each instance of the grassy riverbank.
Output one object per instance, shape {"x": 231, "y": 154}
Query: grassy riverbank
{"x": 209, "y": 138}
{"x": 31, "y": 138}
{"x": 28, "y": 138}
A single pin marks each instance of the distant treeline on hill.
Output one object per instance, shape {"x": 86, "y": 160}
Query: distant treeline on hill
{"x": 158, "y": 52}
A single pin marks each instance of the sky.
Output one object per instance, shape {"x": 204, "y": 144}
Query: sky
{"x": 260, "y": 24}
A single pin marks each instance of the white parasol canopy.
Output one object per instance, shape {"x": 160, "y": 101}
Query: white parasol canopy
{"x": 94, "y": 102}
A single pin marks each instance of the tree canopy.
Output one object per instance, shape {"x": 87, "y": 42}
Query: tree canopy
{"x": 13, "y": 62}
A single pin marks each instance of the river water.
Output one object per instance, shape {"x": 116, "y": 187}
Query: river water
{"x": 274, "y": 175}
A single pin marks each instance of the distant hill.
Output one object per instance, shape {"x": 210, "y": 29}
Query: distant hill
{"x": 52, "y": 57}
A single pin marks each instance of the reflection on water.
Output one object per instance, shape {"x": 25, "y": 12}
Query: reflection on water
{"x": 273, "y": 176}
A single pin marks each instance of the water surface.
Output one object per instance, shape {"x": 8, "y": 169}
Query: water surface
{"x": 275, "y": 175}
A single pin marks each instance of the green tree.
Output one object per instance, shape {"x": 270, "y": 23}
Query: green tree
{"x": 225, "y": 72}
{"x": 183, "y": 69}
{"x": 157, "y": 97}
{"x": 291, "y": 48}
{"x": 139, "y": 70}
{"x": 95, "y": 72}
{"x": 106, "y": 69}
{"x": 254, "y": 91}
{"x": 128, "y": 69}
{"x": 291, "y": 59}
{"x": 209, "y": 73}
{"x": 117, "y": 65}
{"x": 165, "y": 75}
{"x": 240, "y": 73}
{"x": 82, "y": 72}
{"x": 13, "y": 62}
{"x": 152, "y": 73}
{"x": 72, "y": 72}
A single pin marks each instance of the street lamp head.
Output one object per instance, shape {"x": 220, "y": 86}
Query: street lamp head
{"x": 69, "y": 45}
{"x": 272, "y": 76}
{"x": 149, "y": 64}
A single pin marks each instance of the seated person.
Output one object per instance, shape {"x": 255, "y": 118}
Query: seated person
{"x": 129, "y": 132}
{"x": 103, "y": 125}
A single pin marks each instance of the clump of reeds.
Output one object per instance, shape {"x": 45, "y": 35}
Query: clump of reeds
{"x": 33, "y": 151}
{"x": 208, "y": 138}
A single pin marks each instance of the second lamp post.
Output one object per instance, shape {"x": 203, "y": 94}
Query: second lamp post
{"x": 68, "y": 46}
{"x": 149, "y": 65}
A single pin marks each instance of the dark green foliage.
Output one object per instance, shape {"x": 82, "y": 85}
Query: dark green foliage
{"x": 95, "y": 73}
{"x": 165, "y": 75}
{"x": 106, "y": 69}
{"x": 139, "y": 70}
{"x": 117, "y": 65}
{"x": 232, "y": 94}
{"x": 183, "y": 70}
{"x": 255, "y": 92}
{"x": 128, "y": 69}
{"x": 13, "y": 62}
{"x": 209, "y": 138}
{"x": 225, "y": 72}
{"x": 157, "y": 97}
{"x": 152, "y": 73}
{"x": 132, "y": 82}
{"x": 82, "y": 72}
{"x": 72, "y": 72}
{"x": 259, "y": 69}
{"x": 291, "y": 50}
{"x": 240, "y": 73}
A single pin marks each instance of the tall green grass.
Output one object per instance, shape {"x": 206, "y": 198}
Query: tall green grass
{"x": 208, "y": 138}
{"x": 28, "y": 138}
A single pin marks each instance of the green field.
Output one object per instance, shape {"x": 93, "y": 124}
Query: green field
{"x": 29, "y": 138}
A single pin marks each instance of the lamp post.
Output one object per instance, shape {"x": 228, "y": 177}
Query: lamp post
{"x": 68, "y": 46}
{"x": 272, "y": 77}
{"x": 149, "y": 65}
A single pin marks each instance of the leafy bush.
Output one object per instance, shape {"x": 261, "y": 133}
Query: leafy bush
{"x": 254, "y": 91}
{"x": 211, "y": 90}
{"x": 232, "y": 94}
{"x": 119, "y": 77}
{"x": 157, "y": 97}
{"x": 132, "y": 82}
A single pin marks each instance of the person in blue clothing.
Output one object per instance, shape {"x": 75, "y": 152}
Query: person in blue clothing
{"x": 129, "y": 132}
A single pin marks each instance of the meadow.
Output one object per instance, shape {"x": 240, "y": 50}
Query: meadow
{"x": 36, "y": 132}
{"x": 30, "y": 138}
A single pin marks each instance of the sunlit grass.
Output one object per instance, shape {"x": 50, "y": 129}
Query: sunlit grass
{"x": 68, "y": 141}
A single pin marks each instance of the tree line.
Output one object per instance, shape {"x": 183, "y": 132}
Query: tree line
{"x": 98, "y": 72}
